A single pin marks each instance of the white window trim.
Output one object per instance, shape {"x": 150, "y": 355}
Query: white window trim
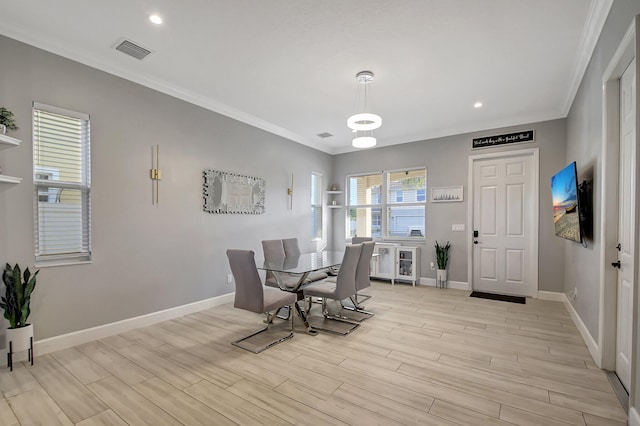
{"x": 384, "y": 204}
{"x": 71, "y": 258}
{"x": 319, "y": 189}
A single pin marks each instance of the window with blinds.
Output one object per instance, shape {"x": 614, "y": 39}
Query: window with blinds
{"x": 364, "y": 205}
{"x": 387, "y": 205}
{"x": 316, "y": 205}
{"x": 405, "y": 210}
{"x": 62, "y": 185}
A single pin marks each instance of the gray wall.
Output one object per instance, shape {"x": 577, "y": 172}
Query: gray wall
{"x": 584, "y": 144}
{"x": 447, "y": 162}
{"x": 145, "y": 258}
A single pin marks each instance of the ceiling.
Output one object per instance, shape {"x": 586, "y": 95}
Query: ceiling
{"x": 289, "y": 66}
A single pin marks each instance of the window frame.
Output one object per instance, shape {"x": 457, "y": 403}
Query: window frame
{"x": 385, "y": 204}
{"x": 42, "y": 186}
{"x": 316, "y": 205}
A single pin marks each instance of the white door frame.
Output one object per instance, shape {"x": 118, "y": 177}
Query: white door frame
{"x": 535, "y": 153}
{"x": 606, "y": 355}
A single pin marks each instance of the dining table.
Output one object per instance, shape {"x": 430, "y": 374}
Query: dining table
{"x": 301, "y": 265}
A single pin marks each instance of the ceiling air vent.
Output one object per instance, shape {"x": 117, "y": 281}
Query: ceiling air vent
{"x": 324, "y": 135}
{"x": 132, "y": 49}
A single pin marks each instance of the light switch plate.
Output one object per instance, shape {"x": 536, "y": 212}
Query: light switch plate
{"x": 458, "y": 227}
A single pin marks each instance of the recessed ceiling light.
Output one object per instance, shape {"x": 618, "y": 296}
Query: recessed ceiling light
{"x": 155, "y": 19}
{"x": 477, "y": 105}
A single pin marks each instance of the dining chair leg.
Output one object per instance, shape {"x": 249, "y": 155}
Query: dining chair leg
{"x": 358, "y": 315}
{"x": 286, "y": 314}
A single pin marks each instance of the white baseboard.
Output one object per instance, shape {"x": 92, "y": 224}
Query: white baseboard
{"x": 553, "y": 296}
{"x": 457, "y": 285}
{"x": 634, "y": 418}
{"x": 592, "y": 345}
{"x": 64, "y": 341}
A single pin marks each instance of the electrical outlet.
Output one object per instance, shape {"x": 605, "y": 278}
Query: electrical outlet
{"x": 229, "y": 278}
{"x": 433, "y": 266}
{"x": 575, "y": 293}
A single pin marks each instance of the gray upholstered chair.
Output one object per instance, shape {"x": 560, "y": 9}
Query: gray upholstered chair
{"x": 274, "y": 250}
{"x": 291, "y": 248}
{"x": 252, "y": 296}
{"x": 354, "y": 240}
{"x": 360, "y": 240}
{"x": 343, "y": 287}
{"x": 362, "y": 282}
{"x": 363, "y": 272}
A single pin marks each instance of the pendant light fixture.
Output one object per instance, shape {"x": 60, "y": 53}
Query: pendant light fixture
{"x": 363, "y": 123}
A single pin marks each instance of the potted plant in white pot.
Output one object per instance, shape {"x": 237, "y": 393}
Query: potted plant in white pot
{"x": 442, "y": 258}
{"x": 6, "y": 121}
{"x": 16, "y": 305}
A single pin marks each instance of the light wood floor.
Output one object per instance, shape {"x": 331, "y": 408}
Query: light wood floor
{"x": 428, "y": 356}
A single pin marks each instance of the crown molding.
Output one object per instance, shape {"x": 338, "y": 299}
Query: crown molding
{"x": 596, "y": 18}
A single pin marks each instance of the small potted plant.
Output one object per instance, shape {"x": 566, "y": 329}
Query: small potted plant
{"x": 16, "y": 305}
{"x": 6, "y": 121}
{"x": 442, "y": 258}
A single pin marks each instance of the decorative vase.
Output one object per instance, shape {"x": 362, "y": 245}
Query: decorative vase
{"x": 441, "y": 278}
{"x": 19, "y": 340}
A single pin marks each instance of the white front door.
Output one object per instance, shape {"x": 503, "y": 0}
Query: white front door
{"x": 626, "y": 220}
{"x": 505, "y": 218}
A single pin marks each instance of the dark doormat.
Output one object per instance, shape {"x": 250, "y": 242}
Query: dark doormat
{"x": 501, "y": 297}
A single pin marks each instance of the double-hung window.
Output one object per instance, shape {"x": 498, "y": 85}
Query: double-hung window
{"x": 405, "y": 213}
{"x": 364, "y": 212}
{"x": 387, "y": 205}
{"x": 316, "y": 206}
{"x": 62, "y": 185}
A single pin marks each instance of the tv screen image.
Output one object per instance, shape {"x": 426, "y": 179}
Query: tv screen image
{"x": 566, "y": 208}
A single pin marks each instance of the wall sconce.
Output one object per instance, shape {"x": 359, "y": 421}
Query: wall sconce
{"x": 290, "y": 193}
{"x": 155, "y": 174}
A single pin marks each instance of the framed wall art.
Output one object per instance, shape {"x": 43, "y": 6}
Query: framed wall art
{"x": 447, "y": 194}
{"x": 230, "y": 193}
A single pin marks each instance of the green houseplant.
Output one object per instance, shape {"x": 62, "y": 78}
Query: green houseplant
{"x": 17, "y": 299}
{"x": 7, "y": 120}
{"x": 442, "y": 258}
{"x": 16, "y": 304}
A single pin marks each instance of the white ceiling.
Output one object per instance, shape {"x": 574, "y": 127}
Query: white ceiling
{"x": 289, "y": 66}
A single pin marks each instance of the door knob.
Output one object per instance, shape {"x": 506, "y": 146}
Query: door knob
{"x": 616, "y": 264}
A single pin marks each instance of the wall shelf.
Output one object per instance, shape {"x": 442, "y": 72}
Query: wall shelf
{"x": 332, "y": 199}
{"x": 9, "y": 180}
{"x": 8, "y": 141}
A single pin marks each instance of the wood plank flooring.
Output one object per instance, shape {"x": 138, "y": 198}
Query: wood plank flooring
{"x": 428, "y": 357}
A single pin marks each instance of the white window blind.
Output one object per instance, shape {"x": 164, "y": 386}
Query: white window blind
{"x": 365, "y": 202}
{"x": 387, "y": 205}
{"x": 316, "y": 205}
{"x": 62, "y": 185}
{"x": 405, "y": 210}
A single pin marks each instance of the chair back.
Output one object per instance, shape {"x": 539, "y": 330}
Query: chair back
{"x": 363, "y": 270}
{"x": 291, "y": 247}
{"x": 272, "y": 250}
{"x": 346, "y": 280}
{"x": 360, "y": 240}
{"x": 249, "y": 291}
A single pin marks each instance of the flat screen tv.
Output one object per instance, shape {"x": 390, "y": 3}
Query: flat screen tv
{"x": 566, "y": 204}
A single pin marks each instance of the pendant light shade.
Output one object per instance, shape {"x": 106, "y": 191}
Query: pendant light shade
{"x": 364, "y": 122}
{"x": 364, "y": 142}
